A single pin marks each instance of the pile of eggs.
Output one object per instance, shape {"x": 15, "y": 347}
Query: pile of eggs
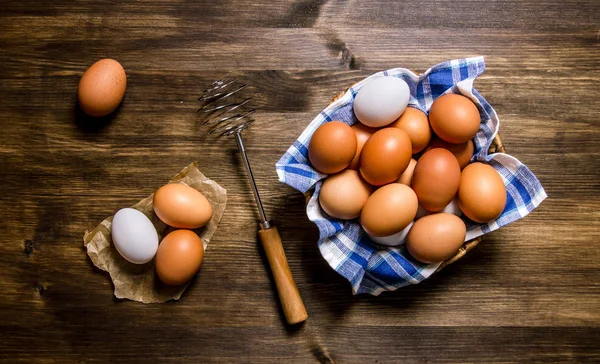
{"x": 407, "y": 175}
{"x": 180, "y": 253}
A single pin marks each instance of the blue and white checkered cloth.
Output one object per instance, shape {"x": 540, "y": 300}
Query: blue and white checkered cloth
{"x": 344, "y": 244}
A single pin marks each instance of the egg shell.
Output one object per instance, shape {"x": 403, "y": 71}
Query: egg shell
{"x": 179, "y": 257}
{"x": 482, "y": 193}
{"x": 422, "y": 212}
{"x": 454, "y": 118}
{"x": 389, "y": 210}
{"x": 393, "y": 240}
{"x": 407, "y": 175}
{"x": 134, "y": 236}
{"x": 344, "y": 194}
{"x": 332, "y": 147}
{"x": 363, "y": 133}
{"x": 381, "y": 101}
{"x": 436, "y": 179}
{"x": 385, "y": 156}
{"x": 181, "y": 206}
{"x": 452, "y": 208}
{"x": 463, "y": 152}
{"x": 436, "y": 237}
{"x": 102, "y": 87}
{"x": 416, "y": 124}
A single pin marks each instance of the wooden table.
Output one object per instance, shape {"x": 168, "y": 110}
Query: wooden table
{"x": 529, "y": 293}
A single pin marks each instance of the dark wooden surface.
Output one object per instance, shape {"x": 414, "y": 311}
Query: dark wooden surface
{"x": 529, "y": 293}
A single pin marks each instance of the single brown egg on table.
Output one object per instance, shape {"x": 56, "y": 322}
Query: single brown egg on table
{"x": 181, "y": 206}
{"x": 454, "y": 118}
{"x": 482, "y": 193}
{"x": 363, "y": 133}
{"x": 332, "y": 147}
{"x": 436, "y": 179}
{"x": 344, "y": 194}
{"x": 435, "y": 238}
{"x": 463, "y": 152}
{"x": 389, "y": 210}
{"x": 102, "y": 87}
{"x": 179, "y": 257}
{"x": 385, "y": 156}
{"x": 415, "y": 123}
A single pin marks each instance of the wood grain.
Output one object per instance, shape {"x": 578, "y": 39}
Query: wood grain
{"x": 529, "y": 292}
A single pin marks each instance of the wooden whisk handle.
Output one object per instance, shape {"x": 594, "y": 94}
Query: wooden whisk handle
{"x": 289, "y": 296}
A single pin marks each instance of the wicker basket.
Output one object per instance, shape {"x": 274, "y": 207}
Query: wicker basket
{"x": 468, "y": 245}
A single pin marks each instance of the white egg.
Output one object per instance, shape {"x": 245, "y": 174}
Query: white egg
{"x": 134, "y": 236}
{"x": 393, "y": 240}
{"x": 381, "y": 101}
{"x": 453, "y": 208}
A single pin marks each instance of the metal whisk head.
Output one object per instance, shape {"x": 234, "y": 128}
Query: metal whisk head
{"x": 224, "y": 112}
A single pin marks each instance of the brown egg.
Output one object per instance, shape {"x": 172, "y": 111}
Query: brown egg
{"x": 181, "y": 206}
{"x": 454, "y": 118}
{"x": 463, "y": 152}
{"x": 390, "y": 209}
{"x": 407, "y": 175}
{"x": 332, "y": 147}
{"x": 385, "y": 156}
{"x": 435, "y": 238}
{"x": 363, "y": 133}
{"x": 436, "y": 179}
{"x": 482, "y": 193}
{"x": 415, "y": 123}
{"x": 179, "y": 257}
{"x": 102, "y": 87}
{"x": 344, "y": 194}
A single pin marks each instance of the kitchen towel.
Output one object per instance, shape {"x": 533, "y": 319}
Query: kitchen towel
{"x": 343, "y": 243}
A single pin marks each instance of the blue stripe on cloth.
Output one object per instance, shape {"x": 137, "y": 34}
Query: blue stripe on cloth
{"x": 303, "y": 149}
{"x": 525, "y": 197}
{"x": 464, "y": 70}
{"x": 510, "y": 203}
{"x": 420, "y": 93}
{"x": 298, "y": 171}
{"x": 344, "y": 244}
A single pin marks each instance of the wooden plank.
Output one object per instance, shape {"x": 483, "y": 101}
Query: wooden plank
{"x": 529, "y": 293}
{"x": 305, "y": 48}
{"x": 522, "y": 15}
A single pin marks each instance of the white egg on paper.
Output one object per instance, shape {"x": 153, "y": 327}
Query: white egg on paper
{"x": 134, "y": 236}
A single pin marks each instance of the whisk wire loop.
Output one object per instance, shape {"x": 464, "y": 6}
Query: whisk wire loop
{"x": 222, "y": 111}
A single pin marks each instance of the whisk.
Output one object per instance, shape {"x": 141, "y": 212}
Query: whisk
{"x": 225, "y": 111}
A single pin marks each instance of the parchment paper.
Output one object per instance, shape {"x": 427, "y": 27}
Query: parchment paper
{"x": 139, "y": 282}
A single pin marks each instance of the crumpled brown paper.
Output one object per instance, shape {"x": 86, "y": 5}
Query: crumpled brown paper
{"x": 138, "y": 282}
